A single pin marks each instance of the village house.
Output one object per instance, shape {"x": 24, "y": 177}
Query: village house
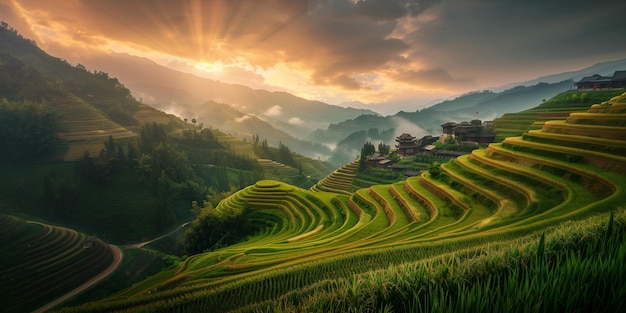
{"x": 594, "y": 82}
{"x": 407, "y": 145}
{"x": 474, "y": 131}
{"x": 377, "y": 160}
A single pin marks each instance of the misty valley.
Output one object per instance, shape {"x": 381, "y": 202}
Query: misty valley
{"x": 217, "y": 197}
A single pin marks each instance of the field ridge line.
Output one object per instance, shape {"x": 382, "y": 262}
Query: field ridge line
{"x": 117, "y": 259}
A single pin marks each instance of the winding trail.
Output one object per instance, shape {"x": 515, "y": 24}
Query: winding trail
{"x": 143, "y": 243}
{"x": 117, "y": 259}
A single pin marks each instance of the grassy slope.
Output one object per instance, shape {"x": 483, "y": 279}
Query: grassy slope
{"x": 556, "y": 108}
{"x": 536, "y": 189}
{"x": 42, "y": 262}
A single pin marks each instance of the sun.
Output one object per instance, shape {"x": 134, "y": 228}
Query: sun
{"x": 215, "y": 67}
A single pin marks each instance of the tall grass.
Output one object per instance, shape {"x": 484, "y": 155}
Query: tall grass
{"x": 575, "y": 267}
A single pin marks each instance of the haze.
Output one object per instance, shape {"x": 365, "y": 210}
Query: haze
{"x": 398, "y": 54}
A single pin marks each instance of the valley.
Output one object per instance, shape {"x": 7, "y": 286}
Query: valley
{"x": 289, "y": 206}
{"x": 502, "y": 198}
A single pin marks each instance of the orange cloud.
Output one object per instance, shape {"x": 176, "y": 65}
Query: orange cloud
{"x": 433, "y": 79}
{"x": 357, "y": 49}
{"x": 333, "y": 41}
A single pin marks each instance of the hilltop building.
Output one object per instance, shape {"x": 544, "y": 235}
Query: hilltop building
{"x": 594, "y": 82}
{"x": 407, "y": 145}
{"x": 474, "y": 131}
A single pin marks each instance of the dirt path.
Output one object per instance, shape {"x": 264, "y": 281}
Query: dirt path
{"x": 117, "y": 259}
{"x": 143, "y": 243}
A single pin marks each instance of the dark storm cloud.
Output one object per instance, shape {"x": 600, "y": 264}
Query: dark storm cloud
{"x": 391, "y": 9}
{"x": 489, "y": 36}
{"x": 433, "y": 79}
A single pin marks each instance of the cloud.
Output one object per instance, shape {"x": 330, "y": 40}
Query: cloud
{"x": 242, "y": 118}
{"x": 391, "y": 10}
{"x": 274, "y": 111}
{"x": 334, "y": 41}
{"x": 406, "y": 126}
{"x": 433, "y": 79}
{"x": 295, "y": 121}
{"x": 341, "y": 44}
{"x": 493, "y": 41}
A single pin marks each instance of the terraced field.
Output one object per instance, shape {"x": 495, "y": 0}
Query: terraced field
{"x": 340, "y": 180}
{"x": 84, "y": 128}
{"x": 42, "y": 262}
{"x": 557, "y": 108}
{"x": 518, "y": 187}
{"x": 515, "y": 124}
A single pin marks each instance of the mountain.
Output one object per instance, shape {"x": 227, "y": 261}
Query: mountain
{"x": 87, "y": 107}
{"x": 125, "y": 162}
{"x": 484, "y": 105}
{"x": 603, "y": 68}
{"x": 185, "y": 94}
{"x": 240, "y": 125}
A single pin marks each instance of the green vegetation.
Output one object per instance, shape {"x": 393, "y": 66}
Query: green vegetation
{"x": 558, "y": 107}
{"x": 40, "y": 262}
{"x": 80, "y": 151}
{"x": 579, "y": 269}
{"x": 136, "y": 265}
{"x": 27, "y": 131}
{"x": 500, "y": 229}
{"x": 519, "y": 213}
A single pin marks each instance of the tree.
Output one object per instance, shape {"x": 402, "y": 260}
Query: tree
{"x": 435, "y": 169}
{"x": 285, "y": 156}
{"x": 132, "y": 156}
{"x": 368, "y": 149}
{"x": 383, "y": 148}
{"x": 26, "y": 130}
{"x": 242, "y": 180}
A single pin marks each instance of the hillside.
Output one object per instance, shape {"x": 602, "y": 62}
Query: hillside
{"x": 244, "y": 126}
{"x": 603, "y": 68}
{"x": 558, "y": 107}
{"x": 187, "y": 95}
{"x": 41, "y": 262}
{"x": 468, "y": 224}
{"x": 88, "y": 107}
{"x": 484, "y": 105}
{"x": 80, "y": 151}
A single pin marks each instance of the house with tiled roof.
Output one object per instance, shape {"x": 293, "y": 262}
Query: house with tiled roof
{"x": 595, "y": 81}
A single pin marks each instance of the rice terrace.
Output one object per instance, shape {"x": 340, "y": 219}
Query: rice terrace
{"x": 312, "y": 156}
{"x": 538, "y": 216}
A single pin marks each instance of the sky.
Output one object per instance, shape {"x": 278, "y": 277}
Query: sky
{"x": 336, "y": 51}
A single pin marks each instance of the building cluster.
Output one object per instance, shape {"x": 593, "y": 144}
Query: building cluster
{"x": 469, "y": 134}
{"x": 475, "y": 131}
{"x": 594, "y": 82}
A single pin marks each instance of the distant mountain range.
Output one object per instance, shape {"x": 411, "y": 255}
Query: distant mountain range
{"x": 314, "y": 128}
{"x": 236, "y": 109}
{"x": 87, "y": 107}
{"x": 603, "y": 68}
{"x": 484, "y": 105}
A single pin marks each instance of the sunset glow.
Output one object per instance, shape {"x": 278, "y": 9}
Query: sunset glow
{"x": 335, "y": 51}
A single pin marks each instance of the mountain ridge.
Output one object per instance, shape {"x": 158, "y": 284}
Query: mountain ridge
{"x": 255, "y": 101}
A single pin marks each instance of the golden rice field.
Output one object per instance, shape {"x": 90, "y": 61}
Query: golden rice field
{"x": 568, "y": 170}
